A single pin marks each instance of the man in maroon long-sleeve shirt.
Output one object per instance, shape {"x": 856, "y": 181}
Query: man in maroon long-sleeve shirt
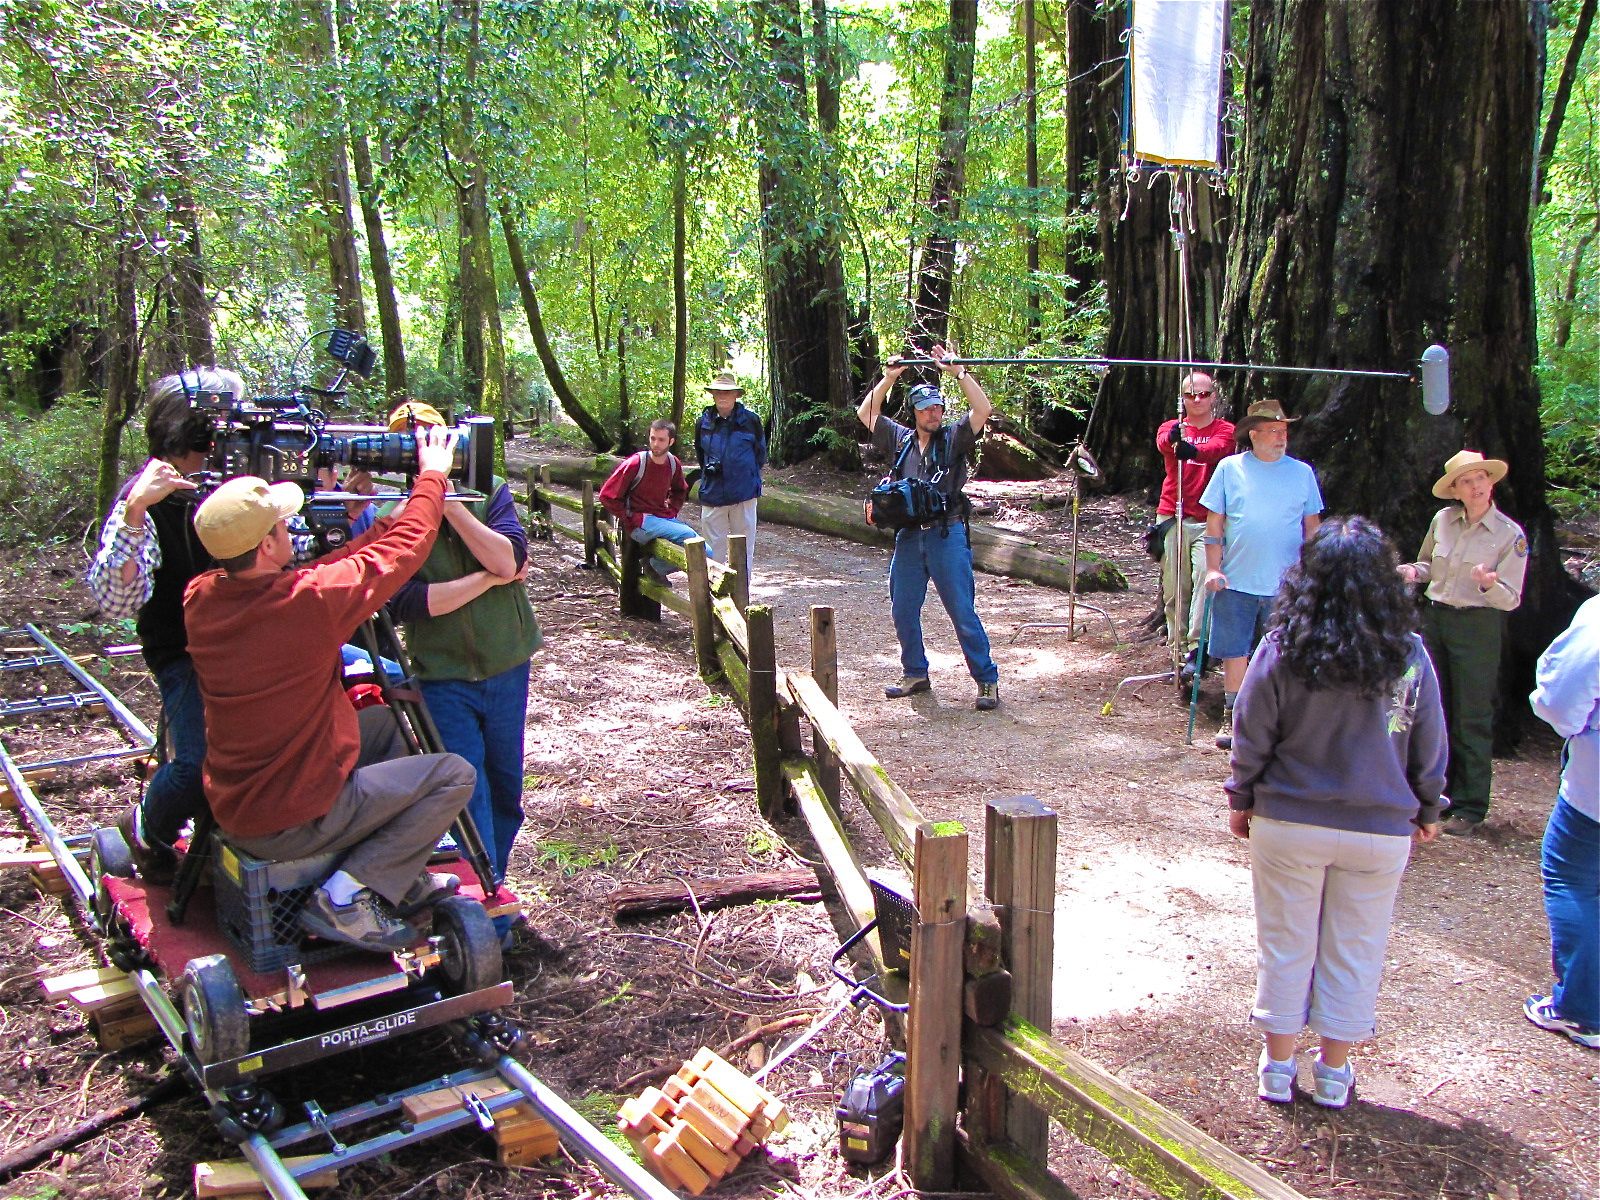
{"x": 291, "y": 769}
{"x": 1198, "y": 442}
{"x": 646, "y": 491}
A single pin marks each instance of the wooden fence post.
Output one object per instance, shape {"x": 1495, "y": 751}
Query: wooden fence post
{"x": 700, "y": 619}
{"x": 630, "y": 600}
{"x": 591, "y": 526}
{"x": 741, "y": 573}
{"x": 933, "y": 1025}
{"x": 825, "y": 670}
{"x": 1019, "y": 878}
{"x": 764, "y": 712}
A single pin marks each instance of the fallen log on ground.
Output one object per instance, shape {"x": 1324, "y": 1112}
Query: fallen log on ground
{"x": 653, "y": 899}
{"x": 993, "y": 550}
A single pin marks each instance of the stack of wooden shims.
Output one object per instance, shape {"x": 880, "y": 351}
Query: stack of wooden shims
{"x": 697, "y": 1127}
{"x": 112, "y": 1003}
{"x": 521, "y": 1134}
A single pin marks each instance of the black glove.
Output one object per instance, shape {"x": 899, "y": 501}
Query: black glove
{"x": 1175, "y": 434}
{"x": 1185, "y": 450}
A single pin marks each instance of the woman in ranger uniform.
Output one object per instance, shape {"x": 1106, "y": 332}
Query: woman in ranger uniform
{"x": 1472, "y": 561}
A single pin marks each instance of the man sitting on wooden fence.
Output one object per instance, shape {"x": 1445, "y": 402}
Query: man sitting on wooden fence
{"x": 646, "y": 492}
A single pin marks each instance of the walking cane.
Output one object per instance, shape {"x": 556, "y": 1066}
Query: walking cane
{"x": 1199, "y": 665}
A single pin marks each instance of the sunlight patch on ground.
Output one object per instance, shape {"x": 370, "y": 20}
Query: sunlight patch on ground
{"x": 1126, "y": 926}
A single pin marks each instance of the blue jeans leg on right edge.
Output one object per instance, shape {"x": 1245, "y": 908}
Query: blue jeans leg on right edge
{"x": 945, "y": 557}
{"x": 482, "y": 721}
{"x": 661, "y": 527}
{"x": 1570, "y": 866}
{"x": 175, "y": 793}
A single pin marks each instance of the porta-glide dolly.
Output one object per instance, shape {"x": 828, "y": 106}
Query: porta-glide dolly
{"x": 240, "y": 998}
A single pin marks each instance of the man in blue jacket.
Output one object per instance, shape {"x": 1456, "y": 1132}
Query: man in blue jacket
{"x": 732, "y": 449}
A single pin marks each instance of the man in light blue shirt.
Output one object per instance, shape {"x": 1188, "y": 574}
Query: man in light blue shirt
{"x": 1568, "y": 697}
{"x": 1262, "y": 504}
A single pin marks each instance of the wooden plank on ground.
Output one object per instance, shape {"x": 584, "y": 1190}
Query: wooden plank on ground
{"x": 1170, "y": 1155}
{"x": 238, "y": 1178}
{"x": 60, "y": 985}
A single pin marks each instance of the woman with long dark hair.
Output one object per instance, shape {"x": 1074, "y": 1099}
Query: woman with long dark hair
{"x": 1338, "y": 762}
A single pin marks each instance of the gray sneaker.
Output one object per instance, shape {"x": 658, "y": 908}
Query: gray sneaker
{"x": 1332, "y": 1084}
{"x": 909, "y": 685}
{"x": 988, "y": 697}
{"x": 430, "y": 888}
{"x": 365, "y": 922}
{"x": 1274, "y": 1079}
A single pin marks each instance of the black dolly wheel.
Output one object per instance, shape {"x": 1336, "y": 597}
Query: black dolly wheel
{"x": 213, "y": 1010}
{"x": 468, "y": 943}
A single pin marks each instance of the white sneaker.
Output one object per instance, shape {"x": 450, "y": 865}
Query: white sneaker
{"x": 1275, "y": 1080}
{"x": 1332, "y": 1084}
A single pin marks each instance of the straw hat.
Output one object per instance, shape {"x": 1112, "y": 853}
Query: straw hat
{"x": 1462, "y": 462}
{"x": 724, "y": 381}
{"x": 1261, "y": 410}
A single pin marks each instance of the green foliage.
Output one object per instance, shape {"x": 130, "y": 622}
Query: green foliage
{"x": 570, "y": 857}
{"x": 48, "y": 466}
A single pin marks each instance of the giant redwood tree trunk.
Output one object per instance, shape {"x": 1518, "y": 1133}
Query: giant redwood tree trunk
{"x": 1141, "y": 269}
{"x": 803, "y": 302}
{"x": 1384, "y": 205}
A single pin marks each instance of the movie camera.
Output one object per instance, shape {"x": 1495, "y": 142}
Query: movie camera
{"x": 287, "y": 438}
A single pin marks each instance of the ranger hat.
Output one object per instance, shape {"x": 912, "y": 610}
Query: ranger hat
{"x": 926, "y": 395}
{"x": 414, "y": 412}
{"x": 1462, "y": 462}
{"x": 239, "y": 514}
{"x": 1261, "y": 410}
{"x": 724, "y": 381}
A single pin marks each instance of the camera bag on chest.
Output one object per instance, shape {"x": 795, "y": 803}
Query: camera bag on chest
{"x": 907, "y": 503}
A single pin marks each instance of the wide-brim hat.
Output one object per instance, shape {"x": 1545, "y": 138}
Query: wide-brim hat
{"x": 1261, "y": 410}
{"x": 724, "y": 381}
{"x": 414, "y": 412}
{"x": 239, "y": 514}
{"x": 1462, "y": 462}
{"x": 926, "y": 395}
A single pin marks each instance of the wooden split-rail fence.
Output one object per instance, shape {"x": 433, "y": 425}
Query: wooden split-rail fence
{"x": 981, "y": 965}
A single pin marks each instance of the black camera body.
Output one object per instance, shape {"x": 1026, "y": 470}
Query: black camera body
{"x": 286, "y": 439}
{"x": 711, "y": 468}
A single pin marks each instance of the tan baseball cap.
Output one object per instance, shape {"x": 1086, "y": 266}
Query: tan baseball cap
{"x": 414, "y": 412}
{"x": 239, "y": 514}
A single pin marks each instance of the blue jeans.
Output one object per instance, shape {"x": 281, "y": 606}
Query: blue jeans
{"x": 943, "y": 555}
{"x": 1570, "y": 866}
{"x": 1238, "y": 620}
{"x": 482, "y": 722}
{"x": 661, "y": 527}
{"x": 175, "y": 794}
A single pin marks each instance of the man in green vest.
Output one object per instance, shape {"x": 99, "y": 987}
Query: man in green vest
{"x": 471, "y": 632}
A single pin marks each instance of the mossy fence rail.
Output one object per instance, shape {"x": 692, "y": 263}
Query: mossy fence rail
{"x": 984, "y": 1079}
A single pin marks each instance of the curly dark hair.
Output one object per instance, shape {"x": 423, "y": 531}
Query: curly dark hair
{"x": 1344, "y": 618}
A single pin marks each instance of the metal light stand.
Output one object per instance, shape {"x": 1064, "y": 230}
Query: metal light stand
{"x": 1079, "y": 460}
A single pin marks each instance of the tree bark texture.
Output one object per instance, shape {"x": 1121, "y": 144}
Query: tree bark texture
{"x": 937, "y": 264}
{"x": 122, "y": 364}
{"x": 680, "y": 284}
{"x": 188, "y": 281}
{"x": 1384, "y": 204}
{"x": 1141, "y": 269}
{"x": 802, "y": 302}
{"x": 843, "y": 452}
{"x": 394, "y": 351}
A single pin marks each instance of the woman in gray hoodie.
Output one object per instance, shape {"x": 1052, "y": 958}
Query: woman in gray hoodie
{"x": 1339, "y": 755}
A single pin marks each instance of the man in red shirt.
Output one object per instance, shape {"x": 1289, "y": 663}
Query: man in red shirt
{"x": 1199, "y": 441}
{"x": 646, "y": 491}
{"x": 291, "y": 769}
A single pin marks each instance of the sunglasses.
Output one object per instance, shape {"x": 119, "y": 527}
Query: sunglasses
{"x": 1198, "y": 395}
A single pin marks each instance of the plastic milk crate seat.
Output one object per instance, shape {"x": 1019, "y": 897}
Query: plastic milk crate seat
{"x": 258, "y": 905}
